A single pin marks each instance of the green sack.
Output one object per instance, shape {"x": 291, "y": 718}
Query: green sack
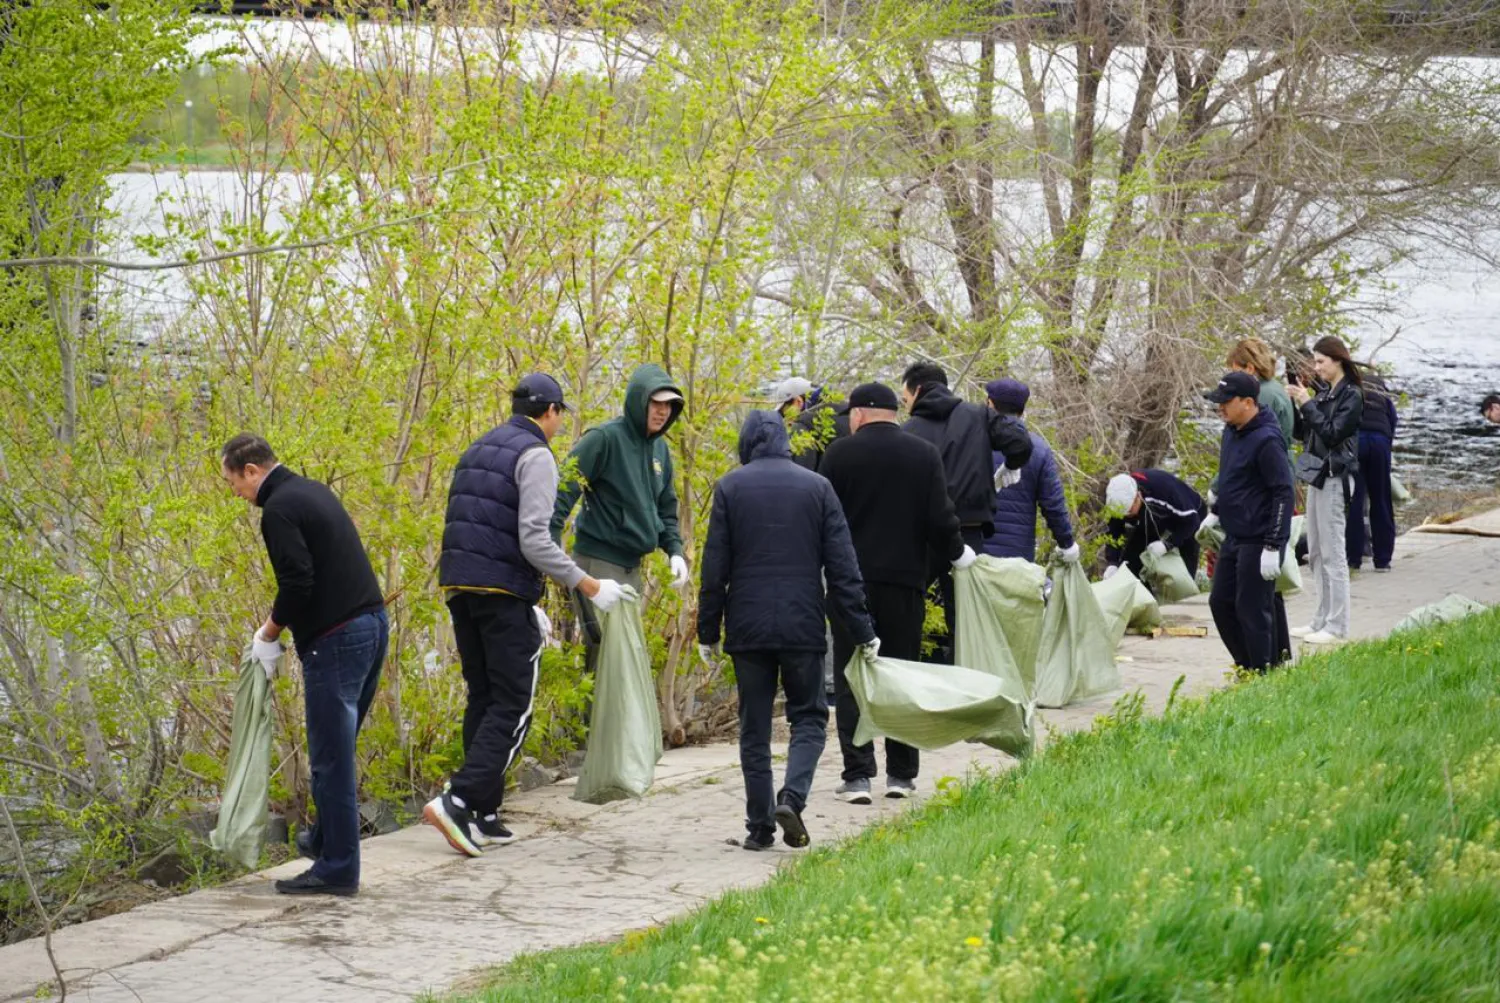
{"x": 1289, "y": 579}
{"x": 999, "y": 617}
{"x": 625, "y": 729}
{"x": 1210, "y": 537}
{"x": 1168, "y": 576}
{"x": 932, "y": 706}
{"x": 241, "y": 827}
{"x": 1126, "y": 604}
{"x": 1446, "y": 610}
{"x": 1400, "y": 493}
{"x": 1078, "y": 650}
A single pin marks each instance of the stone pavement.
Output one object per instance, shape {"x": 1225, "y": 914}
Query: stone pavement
{"x": 426, "y": 918}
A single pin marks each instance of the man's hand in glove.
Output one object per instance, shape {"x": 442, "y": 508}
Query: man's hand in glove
{"x": 608, "y": 595}
{"x": 965, "y": 559}
{"x": 543, "y": 623}
{"x": 710, "y": 653}
{"x": 267, "y": 653}
{"x": 1006, "y": 476}
{"x": 1070, "y": 554}
{"x": 1110, "y": 571}
{"x": 871, "y": 648}
{"x": 1209, "y": 522}
{"x": 1157, "y": 548}
{"x": 681, "y": 573}
{"x": 1270, "y": 564}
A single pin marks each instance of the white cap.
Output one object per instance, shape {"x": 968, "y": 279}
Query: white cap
{"x": 790, "y": 388}
{"x": 1121, "y": 492}
{"x": 666, "y": 394}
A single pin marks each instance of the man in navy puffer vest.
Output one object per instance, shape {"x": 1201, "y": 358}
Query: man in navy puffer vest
{"x": 1039, "y": 488}
{"x": 496, "y": 550}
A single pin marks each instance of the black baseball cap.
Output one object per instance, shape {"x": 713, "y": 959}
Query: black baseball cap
{"x": 874, "y": 395}
{"x": 539, "y": 388}
{"x": 1234, "y": 384}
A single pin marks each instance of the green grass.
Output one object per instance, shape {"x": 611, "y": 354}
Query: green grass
{"x": 1329, "y": 833}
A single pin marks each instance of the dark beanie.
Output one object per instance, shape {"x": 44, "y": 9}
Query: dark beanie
{"x": 1011, "y": 395}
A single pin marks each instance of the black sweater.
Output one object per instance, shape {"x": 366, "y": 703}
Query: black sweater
{"x": 896, "y": 502}
{"x": 323, "y": 577}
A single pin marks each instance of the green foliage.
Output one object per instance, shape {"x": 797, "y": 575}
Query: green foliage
{"x": 1325, "y": 833}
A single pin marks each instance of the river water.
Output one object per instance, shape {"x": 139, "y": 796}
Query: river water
{"x": 1437, "y": 330}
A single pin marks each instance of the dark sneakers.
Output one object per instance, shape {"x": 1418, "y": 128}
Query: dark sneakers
{"x": 307, "y": 883}
{"x": 793, "y": 832}
{"x": 489, "y": 830}
{"x": 455, "y": 823}
{"x": 763, "y": 840}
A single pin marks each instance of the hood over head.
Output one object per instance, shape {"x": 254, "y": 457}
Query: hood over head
{"x": 763, "y": 436}
{"x": 644, "y": 382}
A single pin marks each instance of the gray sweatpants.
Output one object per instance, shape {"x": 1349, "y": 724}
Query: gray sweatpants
{"x": 1326, "y": 553}
{"x": 596, "y": 567}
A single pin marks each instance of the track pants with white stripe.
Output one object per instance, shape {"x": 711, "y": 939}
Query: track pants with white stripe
{"x": 499, "y": 644}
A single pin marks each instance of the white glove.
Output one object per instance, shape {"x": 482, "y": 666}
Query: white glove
{"x": 1209, "y": 522}
{"x": 1005, "y": 477}
{"x": 1213, "y": 498}
{"x": 1157, "y": 548}
{"x": 965, "y": 559}
{"x": 543, "y": 623}
{"x": 709, "y": 653}
{"x": 608, "y": 595}
{"x": 681, "y": 573}
{"x": 267, "y": 653}
{"x": 1270, "y": 564}
{"x": 1110, "y": 571}
{"x": 871, "y": 648}
{"x": 1070, "y": 554}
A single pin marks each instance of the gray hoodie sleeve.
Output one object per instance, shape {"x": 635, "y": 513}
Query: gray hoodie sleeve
{"x": 536, "y": 482}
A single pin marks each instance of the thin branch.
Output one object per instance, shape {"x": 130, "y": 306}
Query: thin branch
{"x": 36, "y": 899}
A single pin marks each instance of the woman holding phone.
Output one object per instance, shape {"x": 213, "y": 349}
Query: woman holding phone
{"x": 1329, "y": 459}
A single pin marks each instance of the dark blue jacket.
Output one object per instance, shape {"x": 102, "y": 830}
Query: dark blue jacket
{"x": 1171, "y": 511}
{"x": 775, "y": 532}
{"x": 1255, "y": 483}
{"x": 1378, "y": 416}
{"x": 481, "y": 532}
{"x": 1015, "y": 506}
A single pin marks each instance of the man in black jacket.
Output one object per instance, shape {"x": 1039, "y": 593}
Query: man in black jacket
{"x": 775, "y": 533}
{"x": 895, "y": 499}
{"x": 497, "y": 548}
{"x": 1151, "y": 510}
{"x": 966, "y": 436}
{"x": 1254, "y": 505}
{"x": 327, "y": 595}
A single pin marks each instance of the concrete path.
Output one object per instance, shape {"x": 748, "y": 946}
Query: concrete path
{"x": 426, "y": 918}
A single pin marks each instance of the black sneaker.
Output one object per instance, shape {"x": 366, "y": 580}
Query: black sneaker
{"x": 762, "y": 840}
{"x": 793, "y": 832}
{"x": 307, "y": 883}
{"x": 489, "y": 830}
{"x": 455, "y": 823}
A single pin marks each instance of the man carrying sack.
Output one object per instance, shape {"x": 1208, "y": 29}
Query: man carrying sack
{"x": 496, "y": 550}
{"x": 896, "y": 501}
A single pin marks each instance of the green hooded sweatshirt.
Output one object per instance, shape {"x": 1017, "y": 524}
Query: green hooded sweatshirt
{"x": 625, "y": 478}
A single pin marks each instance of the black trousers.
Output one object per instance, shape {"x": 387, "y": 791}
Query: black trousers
{"x": 500, "y": 646}
{"x": 1248, "y": 613}
{"x": 800, "y": 674}
{"x": 898, "y": 613}
{"x": 941, "y": 576}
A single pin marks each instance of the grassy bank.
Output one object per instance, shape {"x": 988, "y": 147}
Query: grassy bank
{"x": 1329, "y": 833}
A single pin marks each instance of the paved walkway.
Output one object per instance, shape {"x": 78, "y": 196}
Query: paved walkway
{"x": 426, "y": 918}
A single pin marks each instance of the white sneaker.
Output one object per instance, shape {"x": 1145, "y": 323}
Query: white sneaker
{"x": 1322, "y": 637}
{"x": 1303, "y": 631}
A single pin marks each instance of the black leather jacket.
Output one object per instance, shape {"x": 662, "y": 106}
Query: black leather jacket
{"x": 1331, "y": 427}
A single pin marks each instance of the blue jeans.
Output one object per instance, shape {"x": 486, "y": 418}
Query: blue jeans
{"x": 340, "y": 672}
{"x": 800, "y": 674}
